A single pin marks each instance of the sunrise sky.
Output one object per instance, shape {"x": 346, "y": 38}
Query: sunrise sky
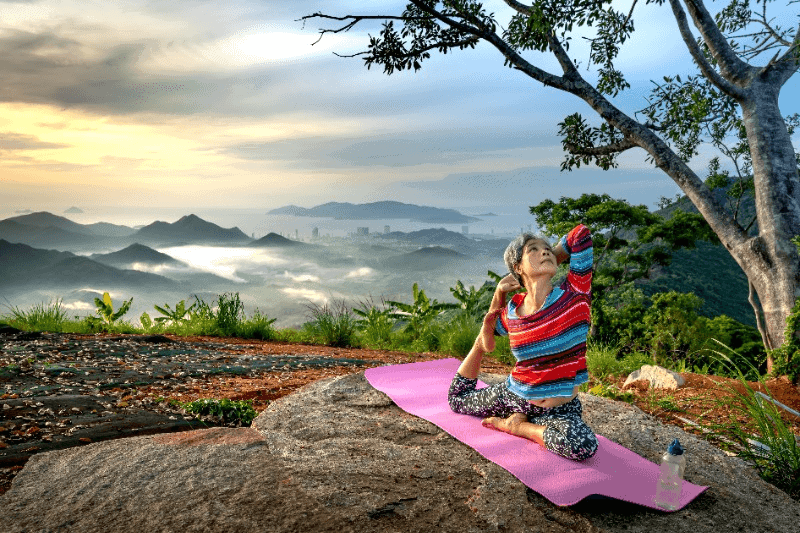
{"x": 227, "y": 104}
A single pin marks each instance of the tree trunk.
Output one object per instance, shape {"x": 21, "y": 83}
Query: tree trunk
{"x": 770, "y": 260}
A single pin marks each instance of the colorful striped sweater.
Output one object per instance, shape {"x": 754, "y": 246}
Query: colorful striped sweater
{"x": 550, "y": 344}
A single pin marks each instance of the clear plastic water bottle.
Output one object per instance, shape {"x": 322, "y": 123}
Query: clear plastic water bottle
{"x": 670, "y": 481}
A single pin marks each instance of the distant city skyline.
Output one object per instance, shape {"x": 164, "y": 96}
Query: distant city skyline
{"x": 203, "y": 104}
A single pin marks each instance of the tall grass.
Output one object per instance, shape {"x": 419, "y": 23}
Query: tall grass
{"x": 333, "y": 325}
{"x": 777, "y": 459}
{"x": 40, "y": 317}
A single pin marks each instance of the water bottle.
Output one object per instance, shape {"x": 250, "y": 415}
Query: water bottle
{"x": 670, "y": 481}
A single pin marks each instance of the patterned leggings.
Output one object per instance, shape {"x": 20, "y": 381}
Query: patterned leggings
{"x": 565, "y": 432}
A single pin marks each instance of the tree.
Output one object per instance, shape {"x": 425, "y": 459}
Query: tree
{"x": 729, "y": 97}
{"x": 628, "y": 240}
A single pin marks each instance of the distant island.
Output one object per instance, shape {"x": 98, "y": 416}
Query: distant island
{"x": 377, "y": 211}
{"x": 486, "y": 215}
{"x": 74, "y": 210}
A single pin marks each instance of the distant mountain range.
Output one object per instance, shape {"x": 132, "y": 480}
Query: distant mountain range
{"x": 46, "y": 230}
{"x": 377, "y": 211}
{"x": 22, "y": 265}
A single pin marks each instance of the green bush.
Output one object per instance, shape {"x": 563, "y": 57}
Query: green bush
{"x": 230, "y": 314}
{"x": 459, "y": 334}
{"x": 333, "y": 326}
{"x": 229, "y": 412}
{"x": 376, "y": 324}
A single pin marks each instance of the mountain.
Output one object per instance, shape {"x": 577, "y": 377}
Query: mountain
{"x": 428, "y": 258}
{"x": 189, "y": 228}
{"x": 45, "y": 237}
{"x": 449, "y": 239}
{"x": 273, "y": 240}
{"x": 708, "y": 271}
{"x": 135, "y": 253}
{"x": 22, "y": 265}
{"x": 43, "y": 219}
{"x": 377, "y": 211}
{"x": 74, "y": 210}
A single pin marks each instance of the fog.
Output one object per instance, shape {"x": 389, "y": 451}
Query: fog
{"x": 281, "y": 282}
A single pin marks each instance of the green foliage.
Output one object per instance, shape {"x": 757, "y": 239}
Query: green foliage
{"x": 459, "y": 334}
{"x": 106, "y": 314}
{"x": 610, "y": 391}
{"x": 418, "y": 315}
{"x": 332, "y": 325}
{"x": 257, "y": 327}
{"x": 779, "y": 462}
{"x": 230, "y": 313}
{"x": 474, "y": 302}
{"x": 229, "y": 412}
{"x": 376, "y": 325}
{"x": 787, "y": 358}
{"x": 180, "y": 313}
{"x": 40, "y": 317}
{"x": 146, "y": 321}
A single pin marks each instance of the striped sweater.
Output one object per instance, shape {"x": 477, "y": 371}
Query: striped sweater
{"x": 550, "y": 344}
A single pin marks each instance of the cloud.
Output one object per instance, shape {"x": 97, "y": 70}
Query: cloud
{"x": 19, "y": 141}
{"x": 301, "y": 278}
{"x": 307, "y": 294}
{"x": 362, "y": 272}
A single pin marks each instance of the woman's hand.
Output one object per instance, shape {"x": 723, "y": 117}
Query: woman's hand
{"x": 508, "y": 284}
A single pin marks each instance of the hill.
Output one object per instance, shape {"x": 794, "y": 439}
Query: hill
{"x": 135, "y": 253}
{"x": 708, "y": 271}
{"x": 22, "y": 265}
{"x": 377, "y": 211}
{"x": 273, "y": 240}
{"x": 189, "y": 229}
{"x": 43, "y": 219}
{"x": 44, "y": 236}
{"x": 428, "y": 258}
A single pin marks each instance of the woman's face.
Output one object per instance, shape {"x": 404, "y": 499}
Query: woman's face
{"x": 538, "y": 261}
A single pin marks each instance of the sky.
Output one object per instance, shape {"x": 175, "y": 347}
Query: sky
{"x": 228, "y": 104}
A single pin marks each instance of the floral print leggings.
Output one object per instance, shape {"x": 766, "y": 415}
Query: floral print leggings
{"x": 565, "y": 431}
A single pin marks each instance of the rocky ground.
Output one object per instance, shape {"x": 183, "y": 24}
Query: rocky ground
{"x": 59, "y": 391}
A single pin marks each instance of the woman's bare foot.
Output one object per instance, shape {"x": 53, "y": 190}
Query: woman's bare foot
{"x": 517, "y": 424}
{"x": 508, "y": 425}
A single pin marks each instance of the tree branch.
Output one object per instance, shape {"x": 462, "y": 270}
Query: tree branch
{"x": 790, "y": 59}
{"x": 694, "y": 49}
{"x": 347, "y": 27}
{"x": 731, "y": 66}
{"x": 608, "y": 149}
{"x": 434, "y": 46}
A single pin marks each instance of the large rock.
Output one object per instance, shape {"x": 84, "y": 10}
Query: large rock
{"x": 340, "y": 456}
{"x": 658, "y": 377}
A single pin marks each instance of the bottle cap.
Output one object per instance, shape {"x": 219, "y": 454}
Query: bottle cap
{"x": 675, "y": 448}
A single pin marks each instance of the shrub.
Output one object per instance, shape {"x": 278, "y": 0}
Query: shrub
{"x": 376, "y": 325}
{"x": 333, "y": 326}
{"x": 257, "y": 327}
{"x": 459, "y": 334}
{"x": 230, "y": 314}
{"x": 229, "y": 412}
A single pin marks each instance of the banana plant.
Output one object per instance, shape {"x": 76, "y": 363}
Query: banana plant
{"x": 420, "y": 313}
{"x": 105, "y": 310}
{"x": 179, "y": 314}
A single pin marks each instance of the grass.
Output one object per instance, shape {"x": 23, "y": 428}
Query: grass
{"x": 778, "y": 460}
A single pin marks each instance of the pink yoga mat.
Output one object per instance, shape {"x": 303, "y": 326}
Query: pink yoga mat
{"x": 614, "y": 471}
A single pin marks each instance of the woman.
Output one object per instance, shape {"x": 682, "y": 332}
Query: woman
{"x": 547, "y": 328}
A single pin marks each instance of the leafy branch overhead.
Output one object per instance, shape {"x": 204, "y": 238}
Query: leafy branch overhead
{"x": 730, "y": 104}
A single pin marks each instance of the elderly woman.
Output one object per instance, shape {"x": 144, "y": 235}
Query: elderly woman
{"x": 547, "y": 328}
